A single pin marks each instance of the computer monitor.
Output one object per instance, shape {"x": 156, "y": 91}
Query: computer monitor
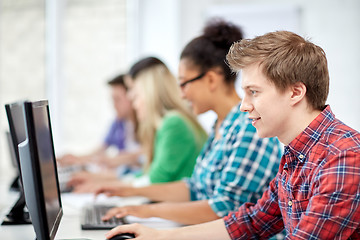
{"x": 39, "y": 171}
{"x": 13, "y": 158}
{"x": 15, "y": 185}
{"x": 15, "y": 114}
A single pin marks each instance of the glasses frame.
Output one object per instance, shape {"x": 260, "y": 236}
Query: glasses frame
{"x": 183, "y": 84}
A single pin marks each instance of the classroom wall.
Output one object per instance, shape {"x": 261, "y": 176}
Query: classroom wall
{"x": 22, "y": 58}
{"x": 64, "y": 51}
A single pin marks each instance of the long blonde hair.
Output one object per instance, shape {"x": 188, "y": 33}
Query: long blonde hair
{"x": 162, "y": 95}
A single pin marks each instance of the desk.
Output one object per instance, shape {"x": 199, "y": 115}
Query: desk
{"x": 70, "y": 224}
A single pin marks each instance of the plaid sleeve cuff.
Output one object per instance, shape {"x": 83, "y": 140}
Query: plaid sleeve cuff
{"x": 221, "y": 207}
{"x": 189, "y": 186}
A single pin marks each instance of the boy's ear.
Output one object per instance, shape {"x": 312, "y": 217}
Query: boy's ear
{"x": 298, "y": 92}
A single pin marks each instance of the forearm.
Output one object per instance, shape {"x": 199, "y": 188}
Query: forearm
{"x": 70, "y": 159}
{"x": 94, "y": 155}
{"x": 183, "y": 212}
{"x": 173, "y": 192}
{"x": 213, "y": 230}
{"x": 126, "y": 158}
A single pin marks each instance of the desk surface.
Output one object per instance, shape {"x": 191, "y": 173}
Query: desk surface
{"x": 70, "y": 224}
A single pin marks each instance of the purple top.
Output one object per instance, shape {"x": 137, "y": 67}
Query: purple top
{"x": 116, "y": 135}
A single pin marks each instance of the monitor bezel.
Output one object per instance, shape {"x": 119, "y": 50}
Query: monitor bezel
{"x": 34, "y": 192}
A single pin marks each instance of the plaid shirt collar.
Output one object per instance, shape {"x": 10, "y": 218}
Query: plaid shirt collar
{"x": 303, "y": 143}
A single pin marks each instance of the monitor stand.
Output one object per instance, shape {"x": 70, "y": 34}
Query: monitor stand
{"x": 15, "y": 185}
{"x": 17, "y": 215}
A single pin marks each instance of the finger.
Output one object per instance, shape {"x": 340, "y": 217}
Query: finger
{"x": 99, "y": 191}
{"x": 109, "y": 214}
{"x": 109, "y": 192}
{"x": 80, "y": 175}
{"x": 105, "y": 190}
{"x": 82, "y": 188}
{"x": 128, "y": 228}
{"x": 120, "y": 212}
{"x": 72, "y": 183}
{"x": 75, "y": 180}
{"x": 78, "y": 189}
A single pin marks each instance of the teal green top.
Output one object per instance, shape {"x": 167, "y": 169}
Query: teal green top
{"x": 177, "y": 144}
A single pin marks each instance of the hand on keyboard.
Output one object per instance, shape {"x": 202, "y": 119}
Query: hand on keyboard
{"x": 92, "y": 218}
{"x": 142, "y": 211}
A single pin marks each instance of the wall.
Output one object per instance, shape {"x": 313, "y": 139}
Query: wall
{"x": 64, "y": 51}
{"x": 93, "y": 50}
{"x": 22, "y": 59}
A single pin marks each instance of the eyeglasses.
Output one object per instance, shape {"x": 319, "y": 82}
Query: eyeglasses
{"x": 183, "y": 84}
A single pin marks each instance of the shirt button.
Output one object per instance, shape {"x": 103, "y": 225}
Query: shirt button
{"x": 290, "y": 203}
{"x": 301, "y": 156}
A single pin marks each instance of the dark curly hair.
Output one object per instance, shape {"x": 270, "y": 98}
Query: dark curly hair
{"x": 209, "y": 49}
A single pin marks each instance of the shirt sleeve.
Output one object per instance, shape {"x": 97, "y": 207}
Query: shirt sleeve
{"x": 258, "y": 221}
{"x": 252, "y": 163}
{"x": 191, "y": 181}
{"x": 175, "y": 151}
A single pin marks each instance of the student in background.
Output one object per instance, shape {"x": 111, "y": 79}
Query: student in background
{"x": 315, "y": 194}
{"x": 235, "y": 165}
{"x": 170, "y": 135}
{"x": 121, "y": 140}
{"x": 169, "y": 132}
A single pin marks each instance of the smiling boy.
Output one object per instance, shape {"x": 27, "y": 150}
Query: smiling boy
{"x": 316, "y": 193}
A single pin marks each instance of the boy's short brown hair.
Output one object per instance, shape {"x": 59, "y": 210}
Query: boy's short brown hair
{"x": 285, "y": 58}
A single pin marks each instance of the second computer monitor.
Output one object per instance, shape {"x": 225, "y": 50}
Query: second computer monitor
{"x": 15, "y": 115}
{"x": 39, "y": 171}
{"x": 16, "y": 120}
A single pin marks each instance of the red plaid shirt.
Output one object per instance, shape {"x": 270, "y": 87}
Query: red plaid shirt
{"x": 316, "y": 193}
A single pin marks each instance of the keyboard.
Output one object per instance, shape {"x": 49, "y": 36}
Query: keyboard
{"x": 64, "y": 175}
{"x": 91, "y": 218}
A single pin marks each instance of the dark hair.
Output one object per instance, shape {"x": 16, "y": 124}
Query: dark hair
{"x": 143, "y": 64}
{"x": 118, "y": 80}
{"x": 209, "y": 50}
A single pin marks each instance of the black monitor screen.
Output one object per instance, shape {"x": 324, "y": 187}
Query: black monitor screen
{"x": 39, "y": 172}
{"x": 47, "y": 167}
{"x": 19, "y": 125}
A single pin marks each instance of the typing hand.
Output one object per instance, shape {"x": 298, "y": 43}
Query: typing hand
{"x": 129, "y": 158}
{"x": 87, "y": 187}
{"x": 78, "y": 178}
{"x": 92, "y": 186}
{"x": 140, "y": 231}
{"x": 142, "y": 211}
{"x": 69, "y": 159}
{"x": 115, "y": 188}
{"x": 87, "y": 177}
